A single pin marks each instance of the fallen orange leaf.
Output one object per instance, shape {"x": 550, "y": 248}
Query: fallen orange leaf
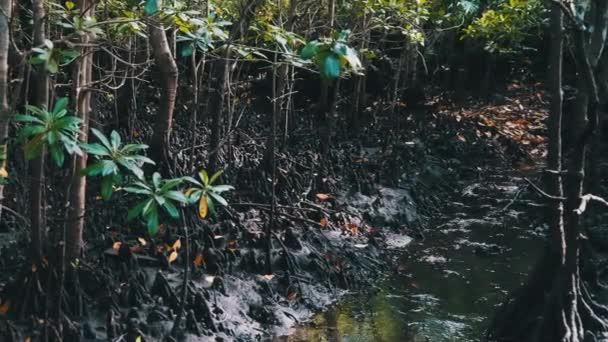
{"x": 5, "y": 306}
{"x": 198, "y": 260}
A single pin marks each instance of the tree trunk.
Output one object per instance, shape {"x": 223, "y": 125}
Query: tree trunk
{"x": 40, "y": 98}
{"x": 159, "y": 146}
{"x": 82, "y": 81}
{"x": 555, "y": 305}
{"x": 5, "y": 18}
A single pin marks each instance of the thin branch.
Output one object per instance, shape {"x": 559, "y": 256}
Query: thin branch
{"x": 543, "y": 193}
{"x": 585, "y": 201}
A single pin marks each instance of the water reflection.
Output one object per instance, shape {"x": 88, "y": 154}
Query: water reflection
{"x": 445, "y": 288}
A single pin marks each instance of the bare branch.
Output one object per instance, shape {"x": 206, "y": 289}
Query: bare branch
{"x": 585, "y": 201}
{"x": 543, "y": 193}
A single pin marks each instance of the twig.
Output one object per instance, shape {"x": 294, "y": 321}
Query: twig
{"x": 543, "y": 193}
{"x": 585, "y": 201}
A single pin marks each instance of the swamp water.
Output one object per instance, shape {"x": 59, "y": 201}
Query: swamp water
{"x": 445, "y": 287}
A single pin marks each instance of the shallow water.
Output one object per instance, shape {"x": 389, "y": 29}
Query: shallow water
{"x": 446, "y": 287}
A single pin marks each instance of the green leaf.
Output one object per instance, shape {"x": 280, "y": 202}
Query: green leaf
{"x": 218, "y": 198}
{"x": 192, "y": 180}
{"x": 109, "y": 168}
{"x": 204, "y": 176}
{"x": 136, "y": 190}
{"x": 27, "y": 119}
{"x": 215, "y": 176}
{"x": 310, "y": 50}
{"x": 115, "y": 139}
{"x": 156, "y": 179}
{"x": 57, "y": 155}
{"x": 222, "y": 188}
{"x": 177, "y": 196}
{"x": 93, "y": 170}
{"x": 29, "y": 131}
{"x": 52, "y": 66}
{"x": 331, "y": 68}
{"x": 136, "y": 170}
{"x": 152, "y": 220}
{"x": 187, "y": 51}
{"x": 170, "y": 184}
{"x": 102, "y": 138}
{"x": 152, "y": 6}
{"x": 171, "y": 210}
{"x": 106, "y": 187}
{"x": 95, "y": 149}
{"x": 136, "y": 211}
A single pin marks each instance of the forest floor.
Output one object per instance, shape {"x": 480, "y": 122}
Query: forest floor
{"x": 381, "y": 192}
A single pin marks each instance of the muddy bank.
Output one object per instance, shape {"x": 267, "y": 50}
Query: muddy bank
{"x": 340, "y": 225}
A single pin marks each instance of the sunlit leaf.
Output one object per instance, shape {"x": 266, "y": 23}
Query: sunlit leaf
{"x": 172, "y": 256}
{"x": 177, "y": 244}
{"x": 322, "y": 197}
{"x": 203, "y": 207}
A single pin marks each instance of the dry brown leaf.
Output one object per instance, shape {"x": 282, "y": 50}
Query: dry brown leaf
{"x": 323, "y": 222}
{"x": 172, "y": 256}
{"x": 198, "y": 260}
{"x": 5, "y": 306}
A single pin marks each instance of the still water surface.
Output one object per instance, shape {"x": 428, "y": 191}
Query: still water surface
{"x": 446, "y": 287}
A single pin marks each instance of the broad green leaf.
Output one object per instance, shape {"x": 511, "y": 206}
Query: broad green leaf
{"x": 57, "y": 155}
{"x": 152, "y": 219}
{"x": 187, "y": 51}
{"x": 310, "y": 50}
{"x": 152, "y": 6}
{"x": 136, "y": 211}
{"x": 218, "y": 198}
{"x": 331, "y": 67}
{"x": 171, "y": 209}
{"x": 115, "y": 139}
{"x": 170, "y": 184}
{"x": 177, "y": 196}
{"x": 222, "y": 188}
{"x": 93, "y": 170}
{"x": 95, "y": 149}
{"x": 204, "y": 176}
{"x": 102, "y": 138}
{"x": 136, "y": 190}
{"x": 215, "y": 176}
{"x": 106, "y": 187}
{"x": 52, "y": 66}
